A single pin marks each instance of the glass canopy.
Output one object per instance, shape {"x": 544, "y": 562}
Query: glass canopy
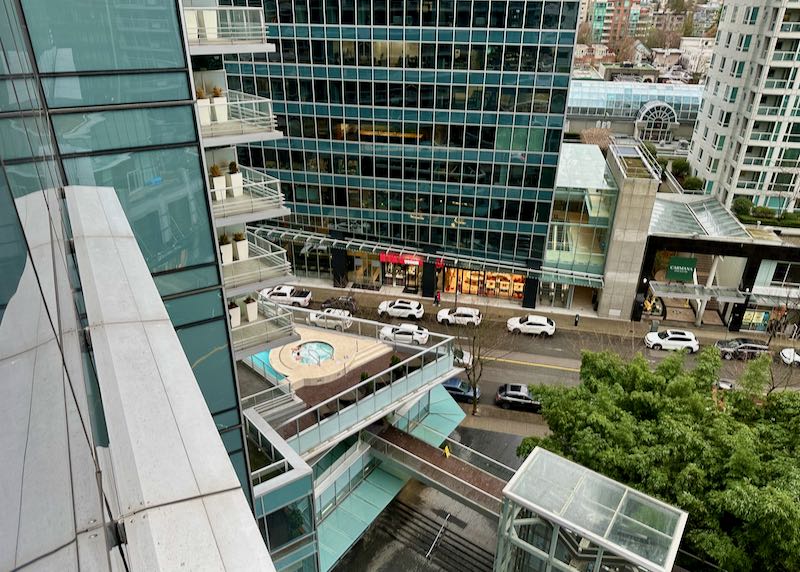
{"x": 694, "y": 216}
{"x": 685, "y": 291}
{"x": 639, "y": 528}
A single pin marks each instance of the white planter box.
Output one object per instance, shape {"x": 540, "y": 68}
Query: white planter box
{"x": 220, "y": 109}
{"x": 219, "y": 186}
{"x": 252, "y": 311}
{"x": 236, "y": 316}
{"x": 226, "y": 251}
{"x": 210, "y": 24}
{"x": 204, "y": 111}
{"x": 236, "y": 184}
{"x": 242, "y": 251}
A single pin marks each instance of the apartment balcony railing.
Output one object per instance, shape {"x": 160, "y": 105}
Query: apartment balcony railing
{"x": 777, "y": 84}
{"x": 763, "y": 136}
{"x": 785, "y": 56}
{"x": 768, "y": 110}
{"x": 224, "y": 29}
{"x": 790, "y": 27}
{"x": 265, "y": 265}
{"x": 256, "y": 197}
{"x": 273, "y": 326}
{"x": 755, "y": 160}
{"x": 236, "y": 118}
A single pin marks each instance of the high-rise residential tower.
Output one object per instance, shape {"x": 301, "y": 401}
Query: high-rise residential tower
{"x": 422, "y": 139}
{"x": 747, "y": 139}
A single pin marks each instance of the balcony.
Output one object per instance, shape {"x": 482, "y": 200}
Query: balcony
{"x": 790, "y": 27}
{"x": 235, "y": 119}
{"x": 257, "y": 197}
{"x": 261, "y": 264}
{"x": 216, "y": 30}
{"x": 785, "y": 57}
{"x": 779, "y": 84}
{"x": 272, "y": 326}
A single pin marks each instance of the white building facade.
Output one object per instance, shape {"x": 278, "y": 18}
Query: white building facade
{"x": 747, "y": 140}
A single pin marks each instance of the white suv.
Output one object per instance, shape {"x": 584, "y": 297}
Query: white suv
{"x": 401, "y": 309}
{"x": 460, "y": 316}
{"x": 332, "y": 318}
{"x": 531, "y": 324}
{"x": 407, "y": 333}
{"x": 672, "y": 340}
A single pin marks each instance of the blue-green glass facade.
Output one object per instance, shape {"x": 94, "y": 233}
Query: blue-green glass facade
{"x": 430, "y": 124}
{"x": 116, "y": 86}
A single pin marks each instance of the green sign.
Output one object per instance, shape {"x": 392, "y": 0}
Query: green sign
{"x": 681, "y": 269}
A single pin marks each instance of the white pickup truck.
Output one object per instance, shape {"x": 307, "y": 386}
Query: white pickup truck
{"x": 288, "y": 296}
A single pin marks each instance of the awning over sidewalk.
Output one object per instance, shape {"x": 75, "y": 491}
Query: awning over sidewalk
{"x": 439, "y": 258}
{"x": 680, "y": 291}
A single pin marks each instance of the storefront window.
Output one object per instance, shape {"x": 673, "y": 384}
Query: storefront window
{"x": 494, "y": 284}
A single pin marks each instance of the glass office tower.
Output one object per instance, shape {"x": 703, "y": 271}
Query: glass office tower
{"x": 113, "y": 77}
{"x": 426, "y": 126}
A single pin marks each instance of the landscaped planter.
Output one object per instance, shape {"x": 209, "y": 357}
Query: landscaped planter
{"x": 235, "y": 313}
{"x": 204, "y": 111}
{"x": 236, "y": 184}
{"x": 251, "y": 306}
{"x": 219, "y": 186}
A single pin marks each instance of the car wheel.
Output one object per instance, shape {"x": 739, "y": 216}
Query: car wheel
{"x": 381, "y": 314}
{"x": 505, "y": 405}
{"x": 516, "y": 331}
{"x": 726, "y": 355}
{"x": 656, "y": 346}
{"x": 542, "y": 334}
{"x": 296, "y": 304}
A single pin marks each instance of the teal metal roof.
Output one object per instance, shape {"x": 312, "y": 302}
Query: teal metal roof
{"x": 348, "y": 521}
{"x": 693, "y": 215}
{"x": 443, "y": 417}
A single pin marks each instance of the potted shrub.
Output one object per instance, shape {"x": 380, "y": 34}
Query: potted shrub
{"x": 217, "y": 182}
{"x": 251, "y": 306}
{"x": 235, "y": 313}
{"x": 235, "y": 181}
{"x": 220, "y": 105}
{"x": 226, "y": 249}
{"x": 241, "y": 246}
{"x": 203, "y": 106}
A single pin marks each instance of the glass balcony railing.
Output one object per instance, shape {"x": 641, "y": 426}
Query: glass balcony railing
{"x": 271, "y": 323}
{"x": 790, "y": 27}
{"x": 236, "y": 113}
{"x": 776, "y": 84}
{"x": 254, "y": 193}
{"x": 259, "y": 261}
{"x": 220, "y": 25}
{"x": 785, "y": 56}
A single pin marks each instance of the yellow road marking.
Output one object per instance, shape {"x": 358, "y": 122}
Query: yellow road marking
{"x": 533, "y": 364}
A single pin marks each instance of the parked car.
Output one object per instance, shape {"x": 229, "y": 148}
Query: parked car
{"x": 790, "y": 356}
{"x": 406, "y": 333}
{"x": 741, "y": 348}
{"x": 287, "y": 295}
{"x": 516, "y": 396}
{"x": 332, "y": 318}
{"x": 672, "y": 340}
{"x": 462, "y": 358}
{"x": 401, "y": 309}
{"x": 532, "y": 324}
{"x": 341, "y": 303}
{"x": 725, "y": 384}
{"x": 461, "y": 316}
{"x": 461, "y": 390}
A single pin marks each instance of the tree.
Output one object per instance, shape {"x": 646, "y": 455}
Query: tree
{"x": 692, "y": 183}
{"x": 731, "y": 459}
{"x": 585, "y": 33}
{"x": 688, "y": 24}
{"x": 742, "y": 206}
{"x": 478, "y": 342}
{"x": 624, "y": 48}
{"x": 681, "y": 168}
{"x": 658, "y": 38}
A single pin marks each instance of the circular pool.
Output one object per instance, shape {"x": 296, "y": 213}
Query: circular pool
{"x": 312, "y": 353}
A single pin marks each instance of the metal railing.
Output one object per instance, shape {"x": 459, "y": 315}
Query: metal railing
{"x": 763, "y": 136}
{"x": 790, "y": 27}
{"x": 471, "y": 456}
{"x": 258, "y": 192}
{"x": 274, "y": 323}
{"x": 265, "y": 261}
{"x": 217, "y": 25}
{"x": 241, "y": 113}
{"x": 437, "y": 474}
{"x": 279, "y": 392}
{"x": 776, "y": 83}
{"x": 277, "y": 463}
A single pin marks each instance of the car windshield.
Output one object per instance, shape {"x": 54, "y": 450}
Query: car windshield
{"x": 663, "y": 335}
{"x": 728, "y": 344}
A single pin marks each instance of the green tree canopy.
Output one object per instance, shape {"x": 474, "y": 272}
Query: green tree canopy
{"x": 731, "y": 459}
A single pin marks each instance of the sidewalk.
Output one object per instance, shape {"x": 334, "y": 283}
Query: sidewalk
{"x": 492, "y": 418}
{"x": 499, "y": 310}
